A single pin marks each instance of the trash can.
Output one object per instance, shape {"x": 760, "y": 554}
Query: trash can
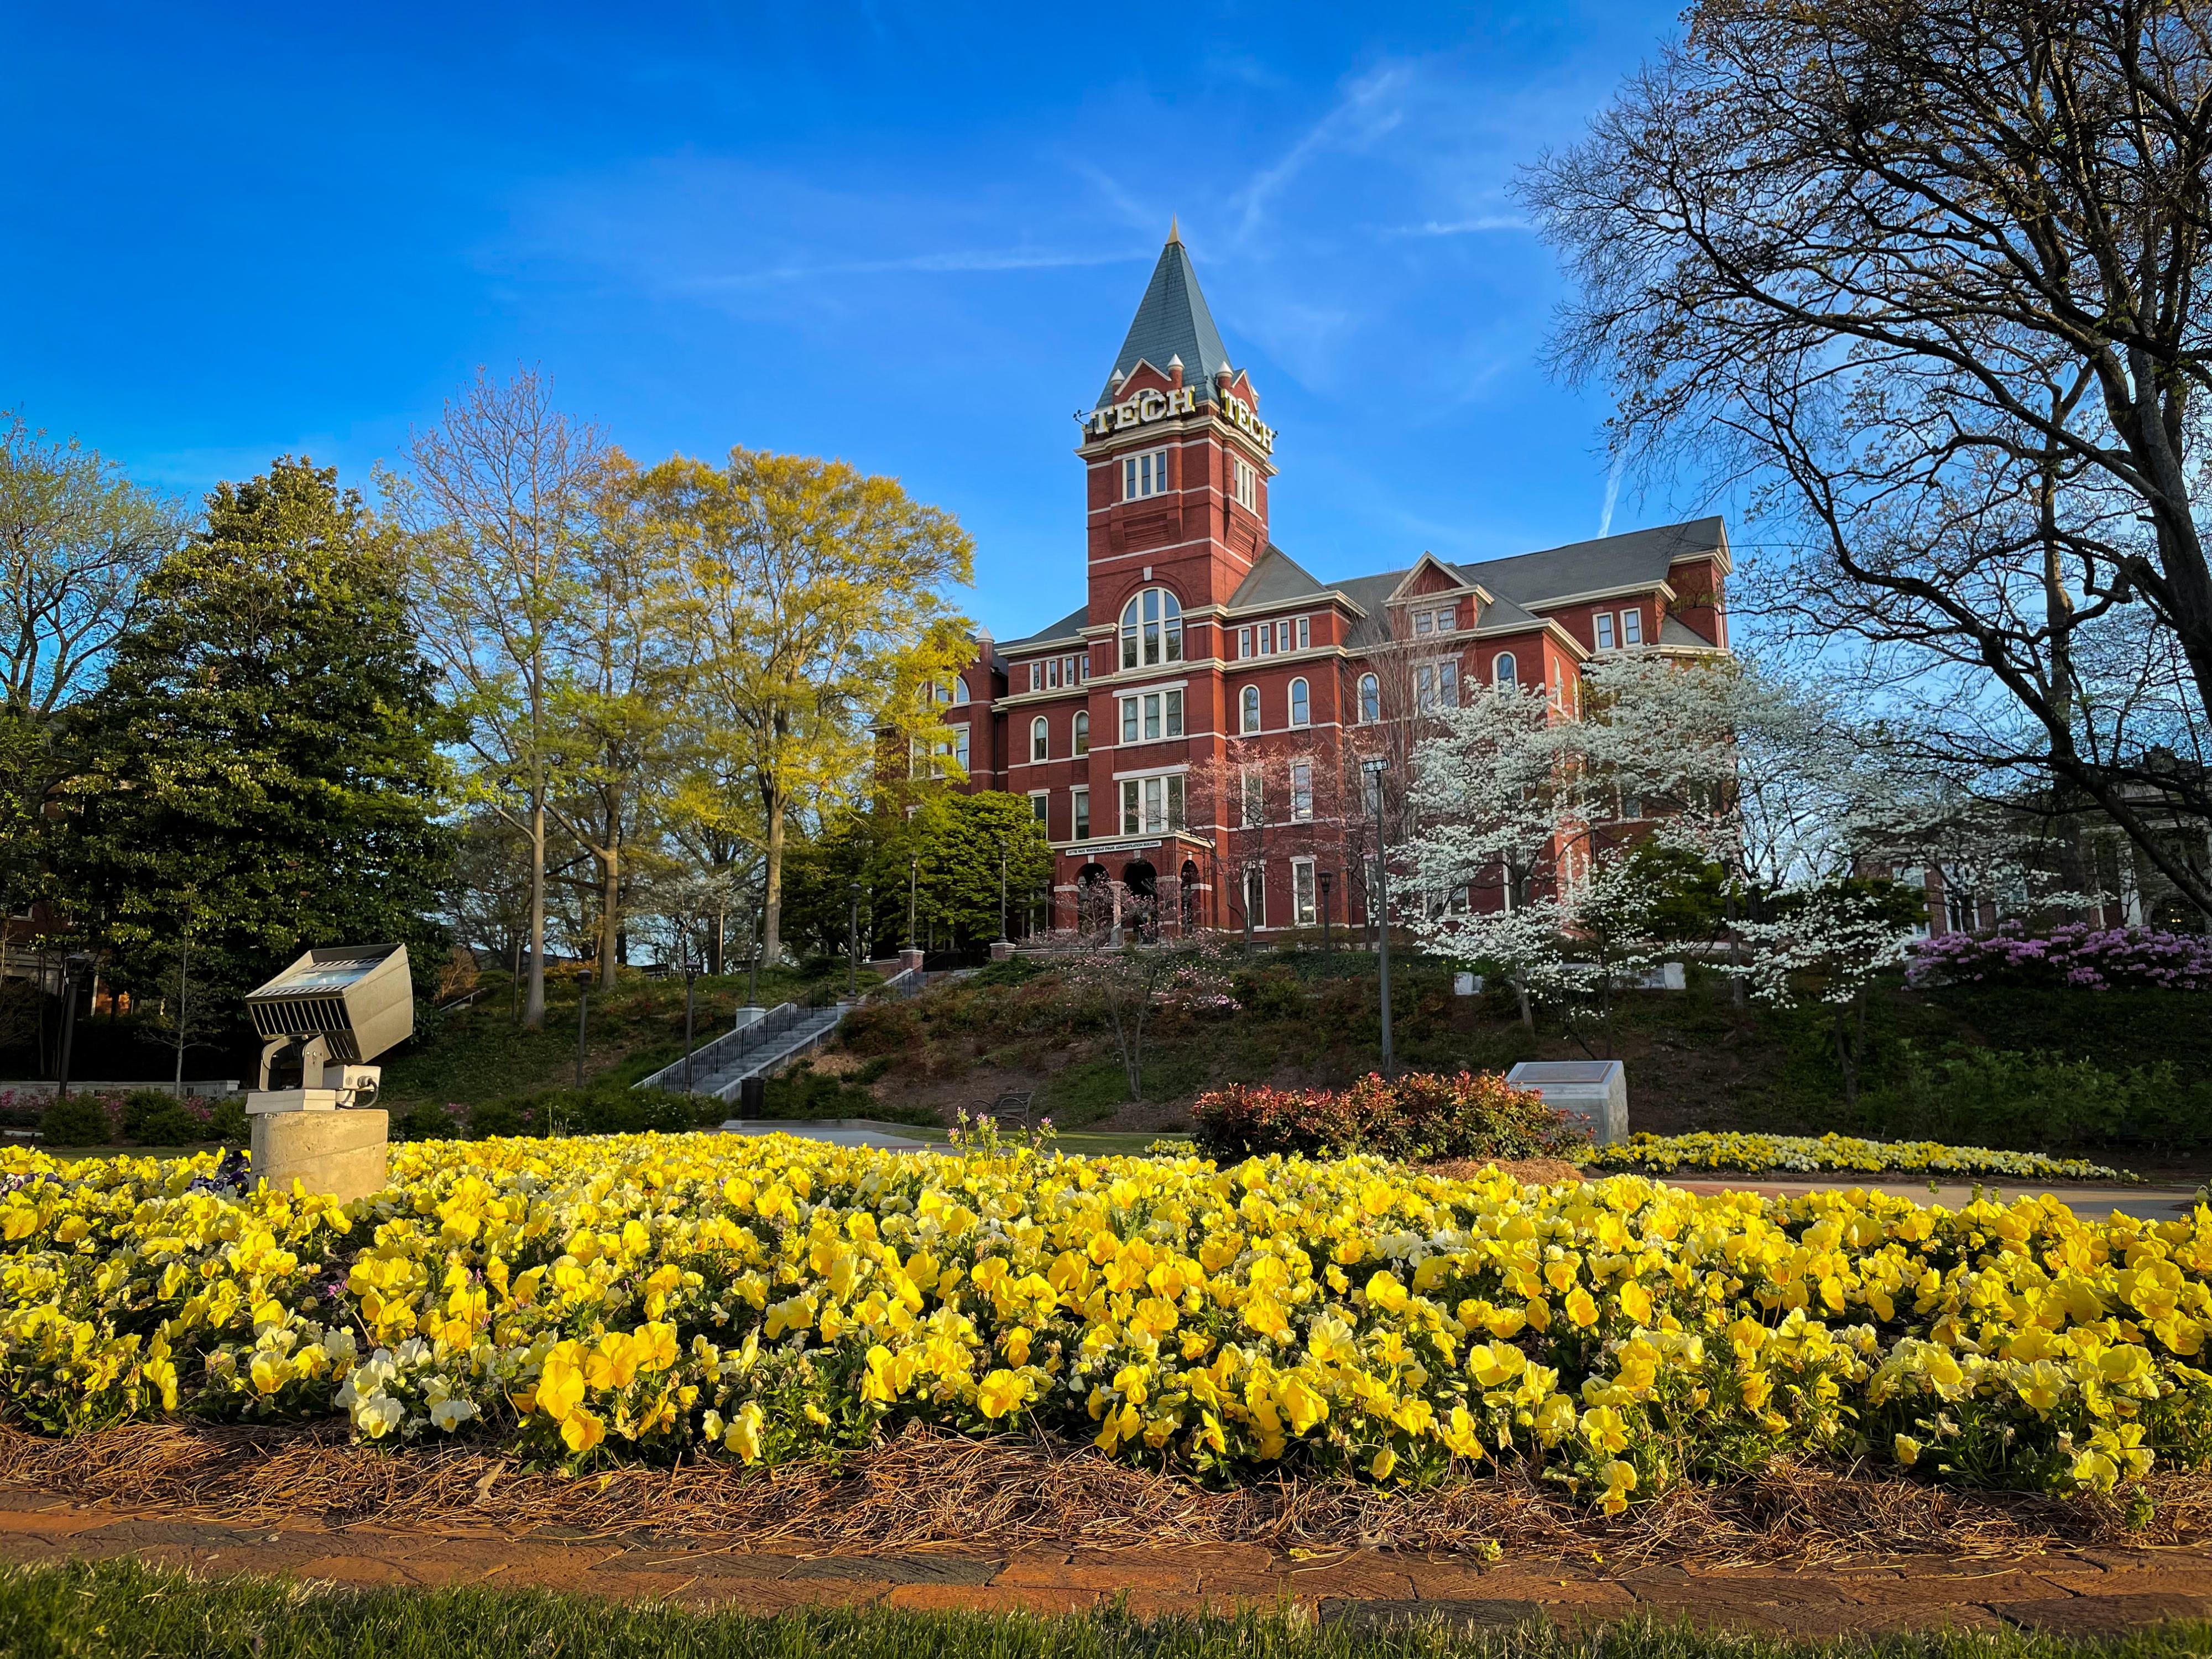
{"x": 752, "y": 1097}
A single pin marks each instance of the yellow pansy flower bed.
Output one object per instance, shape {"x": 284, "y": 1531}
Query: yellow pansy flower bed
{"x": 1737, "y": 1150}
{"x": 764, "y": 1299}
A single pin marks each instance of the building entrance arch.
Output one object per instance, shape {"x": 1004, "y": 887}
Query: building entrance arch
{"x": 1094, "y": 899}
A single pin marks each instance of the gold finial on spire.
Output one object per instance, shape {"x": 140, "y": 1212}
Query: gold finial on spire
{"x": 1174, "y": 235}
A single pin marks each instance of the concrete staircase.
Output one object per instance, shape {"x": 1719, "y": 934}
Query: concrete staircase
{"x": 770, "y": 1041}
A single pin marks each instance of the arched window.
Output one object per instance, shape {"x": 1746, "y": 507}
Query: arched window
{"x": 1503, "y": 670}
{"x": 1040, "y": 739}
{"x": 1251, "y": 702}
{"x": 1151, "y": 629}
{"x": 959, "y": 690}
{"x": 1301, "y": 704}
{"x": 1371, "y": 699}
{"x": 1082, "y": 732}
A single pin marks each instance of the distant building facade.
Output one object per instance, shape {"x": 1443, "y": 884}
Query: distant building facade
{"x": 1205, "y": 732}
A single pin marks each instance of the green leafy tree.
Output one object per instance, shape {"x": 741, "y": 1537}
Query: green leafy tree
{"x": 263, "y": 761}
{"x": 947, "y": 848}
{"x": 817, "y": 598}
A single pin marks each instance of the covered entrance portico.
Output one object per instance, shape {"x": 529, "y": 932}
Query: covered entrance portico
{"x": 1153, "y": 882}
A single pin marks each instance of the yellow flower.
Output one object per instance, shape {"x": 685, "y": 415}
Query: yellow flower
{"x": 744, "y": 1436}
{"x": 1907, "y": 1450}
{"x": 1000, "y": 1393}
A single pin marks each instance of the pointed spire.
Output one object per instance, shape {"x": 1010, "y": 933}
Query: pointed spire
{"x": 1174, "y": 235}
{"x": 1172, "y": 321}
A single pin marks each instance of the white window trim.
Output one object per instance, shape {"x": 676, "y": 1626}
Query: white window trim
{"x": 1290, "y": 702}
{"x": 1040, "y": 728}
{"x": 1180, "y": 769}
{"x": 1637, "y": 613}
{"x": 1131, "y": 471}
{"x": 1045, "y": 816}
{"x": 1082, "y": 790}
{"x": 1313, "y": 888}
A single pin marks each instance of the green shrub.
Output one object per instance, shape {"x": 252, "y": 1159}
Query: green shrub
{"x": 226, "y": 1121}
{"x": 494, "y": 1117}
{"x": 1014, "y": 971}
{"x": 2036, "y": 1100}
{"x": 154, "y": 1117}
{"x": 1422, "y": 1114}
{"x": 802, "y": 1092}
{"x": 78, "y": 1120}
{"x": 427, "y": 1123}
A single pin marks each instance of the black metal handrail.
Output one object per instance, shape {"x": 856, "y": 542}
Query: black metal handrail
{"x": 711, "y": 1057}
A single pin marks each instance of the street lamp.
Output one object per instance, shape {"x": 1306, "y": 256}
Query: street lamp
{"x": 913, "y": 891}
{"x": 73, "y": 968}
{"x": 853, "y": 944}
{"x": 1375, "y": 769}
{"x": 1002, "y": 890}
{"x": 1326, "y": 881}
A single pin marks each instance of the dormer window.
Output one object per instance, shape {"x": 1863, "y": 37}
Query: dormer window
{"x": 1151, "y": 629}
{"x": 1632, "y": 628}
{"x": 1604, "y": 631}
{"x": 1144, "y": 474}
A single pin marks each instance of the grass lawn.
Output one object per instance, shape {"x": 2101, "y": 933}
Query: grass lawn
{"x": 123, "y": 1608}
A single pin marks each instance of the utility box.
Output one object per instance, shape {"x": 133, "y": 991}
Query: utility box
{"x": 1467, "y": 985}
{"x": 1594, "y": 1090}
{"x": 320, "y": 1022}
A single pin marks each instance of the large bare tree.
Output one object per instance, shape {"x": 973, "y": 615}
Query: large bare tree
{"x": 1932, "y": 278}
{"x": 501, "y": 498}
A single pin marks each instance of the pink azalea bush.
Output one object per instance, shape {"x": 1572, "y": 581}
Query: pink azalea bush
{"x": 1422, "y": 1114}
{"x": 2074, "y": 954}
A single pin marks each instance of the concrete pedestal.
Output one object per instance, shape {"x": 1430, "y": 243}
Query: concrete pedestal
{"x": 340, "y": 1153}
{"x": 1001, "y": 949}
{"x": 909, "y": 961}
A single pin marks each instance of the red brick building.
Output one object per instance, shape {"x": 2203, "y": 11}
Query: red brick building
{"x": 1200, "y": 730}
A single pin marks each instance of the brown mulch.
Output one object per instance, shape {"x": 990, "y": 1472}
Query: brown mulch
{"x": 1529, "y": 1171}
{"x": 926, "y": 1488}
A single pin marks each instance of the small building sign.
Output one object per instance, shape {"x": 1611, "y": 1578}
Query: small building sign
{"x": 1594, "y": 1090}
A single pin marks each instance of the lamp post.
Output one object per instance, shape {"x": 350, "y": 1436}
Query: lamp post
{"x": 1002, "y": 890}
{"x": 1375, "y": 769}
{"x": 853, "y": 944}
{"x": 752, "y": 973}
{"x": 73, "y": 968}
{"x": 913, "y": 892}
{"x": 690, "y": 978}
{"x": 583, "y": 1011}
{"x": 1326, "y": 880}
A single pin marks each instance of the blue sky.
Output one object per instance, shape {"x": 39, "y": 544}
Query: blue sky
{"x": 910, "y": 237}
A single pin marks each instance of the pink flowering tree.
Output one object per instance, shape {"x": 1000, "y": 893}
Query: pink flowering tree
{"x": 1127, "y": 982}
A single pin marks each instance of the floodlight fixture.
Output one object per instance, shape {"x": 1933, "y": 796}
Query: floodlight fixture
{"x": 334, "y": 1008}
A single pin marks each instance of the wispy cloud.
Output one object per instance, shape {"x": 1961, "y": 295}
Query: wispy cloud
{"x": 1368, "y": 108}
{"x": 1475, "y": 226}
{"x": 952, "y": 261}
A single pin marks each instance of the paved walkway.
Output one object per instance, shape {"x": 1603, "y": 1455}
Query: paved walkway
{"x": 2071, "y": 1591}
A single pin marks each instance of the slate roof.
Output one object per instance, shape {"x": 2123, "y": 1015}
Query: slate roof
{"x": 1172, "y": 321}
{"x": 1067, "y": 630}
{"x": 1277, "y": 579}
{"x": 1635, "y": 558}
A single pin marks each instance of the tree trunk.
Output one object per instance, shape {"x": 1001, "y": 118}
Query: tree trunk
{"x": 610, "y": 910}
{"x": 533, "y": 1012}
{"x": 772, "y": 881}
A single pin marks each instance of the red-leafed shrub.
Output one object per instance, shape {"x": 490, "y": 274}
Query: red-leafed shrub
{"x": 1473, "y": 1115}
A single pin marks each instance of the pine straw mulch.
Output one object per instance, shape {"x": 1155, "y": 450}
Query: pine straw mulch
{"x": 926, "y": 1489}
